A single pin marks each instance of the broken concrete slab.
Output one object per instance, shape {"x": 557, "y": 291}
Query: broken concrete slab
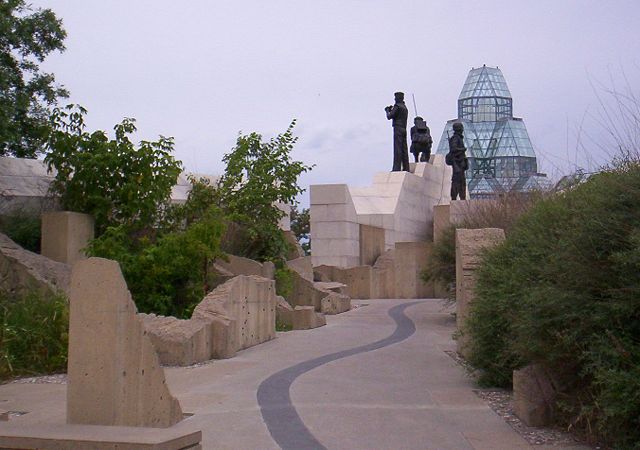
{"x": 238, "y": 265}
{"x": 65, "y": 235}
{"x": 114, "y": 374}
{"x": 22, "y": 271}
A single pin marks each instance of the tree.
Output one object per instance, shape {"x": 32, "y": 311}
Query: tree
{"x": 301, "y": 227}
{"x": 27, "y": 95}
{"x": 111, "y": 179}
{"x": 259, "y": 175}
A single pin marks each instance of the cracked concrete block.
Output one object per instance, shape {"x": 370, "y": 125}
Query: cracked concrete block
{"x": 65, "y": 234}
{"x": 470, "y": 248}
{"x": 114, "y": 374}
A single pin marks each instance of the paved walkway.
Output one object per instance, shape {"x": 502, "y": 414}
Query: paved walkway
{"x": 376, "y": 377}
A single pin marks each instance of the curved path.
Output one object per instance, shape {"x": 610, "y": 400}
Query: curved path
{"x": 274, "y": 398}
{"x": 376, "y": 377}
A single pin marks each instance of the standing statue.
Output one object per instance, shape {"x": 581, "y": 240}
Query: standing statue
{"x": 398, "y": 114}
{"x": 457, "y": 159}
{"x": 421, "y": 139}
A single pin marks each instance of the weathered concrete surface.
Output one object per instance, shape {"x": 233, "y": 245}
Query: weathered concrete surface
{"x": 310, "y": 293}
{"x": 533, "y": 395}
{"x": 470, "y": 248}
{"x": 296, "y": 250}
{"x": 441, "y": 221}
{"x": 303, "y": 266}
{"x": 65, "y": 234}
{"x": 115, "y": 376}
{"x": 237, "y": 314}
{"x": 238, "y": 265}
{"x": 371, "y": 244}
{"x": 410, "y": 395}
{"x": 410, "y": 260}
{"x": 357, "y": 279}
{"x": 92, "y": 437}
{"x": 300, "y": 317}
{"x": 179, "y": 342}
{"x": 22, "y": 271}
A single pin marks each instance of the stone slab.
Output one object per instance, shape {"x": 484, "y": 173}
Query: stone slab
{"x": 533, "y": 396}
{"x": 114, "y": 374}
{"x": 94, "y": 437}
{"x": 372, "y": 243}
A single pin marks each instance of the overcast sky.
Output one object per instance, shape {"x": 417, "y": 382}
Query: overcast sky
{"x": 201, "y": 71}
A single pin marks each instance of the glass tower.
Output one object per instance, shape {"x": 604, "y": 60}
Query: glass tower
{"x": 501, "y": 157}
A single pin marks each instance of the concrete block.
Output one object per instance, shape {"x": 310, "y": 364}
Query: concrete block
{"x": 303, "y": 266}
{"x": 65, "y": 234}
{"x": 470, "y": 248}
{"x": 114, "y": 375}
{"x": 306, "y": 318}
{"x": 179, "y": 342}
{"x": 22, "y": 271}
{"x": 56, "y": 436}
{"x": 335, "y": 303}
{"x": 410, "y": 260}
{"x": 358, "y": 279}
{"x": 383, "y": 276}
{"x": 533, "y": 395}
{"x": 326, "y": 194}
{"x": 238, "y": 265}
{"x": 441, "y": 221}
{"x": 371, "y": 244}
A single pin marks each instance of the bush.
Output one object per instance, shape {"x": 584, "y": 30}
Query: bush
{"x": 500, "y": 212}
{"x": 563, "y": 290}
{"x": 23, "y": 229}
{"x": 33, "y": 334}
{"x": 166, "y": 275}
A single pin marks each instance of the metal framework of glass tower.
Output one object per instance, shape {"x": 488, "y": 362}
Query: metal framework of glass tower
{"x": 501, "y": 157}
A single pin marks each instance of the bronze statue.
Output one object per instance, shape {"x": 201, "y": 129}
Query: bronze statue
{"x": 398, "y": 114}
{"x": 421, "y": 140}
{"x": 457, "y": 159}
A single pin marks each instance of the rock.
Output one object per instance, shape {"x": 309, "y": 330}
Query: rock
{"x": 300, "y": 317}
{"x": 22, "y": 271}
{"x": 533, "y": 395}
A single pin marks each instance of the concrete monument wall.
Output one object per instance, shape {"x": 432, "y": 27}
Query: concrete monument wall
{"x": 236, "y": 315}
{"x": 114, "y": 375}
{"x": 65, "y": 234}
{"x": 470, "y": 248}
{"x": 401, "y": 203}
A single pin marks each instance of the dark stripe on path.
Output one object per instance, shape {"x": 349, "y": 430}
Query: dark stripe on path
{"x": 282, "y": 419}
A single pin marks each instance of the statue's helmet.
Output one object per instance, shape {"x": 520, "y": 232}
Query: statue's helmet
{"x": 418, "y": 119}
{"x": 458, "y": 127}
{"x": 399, "y": 96}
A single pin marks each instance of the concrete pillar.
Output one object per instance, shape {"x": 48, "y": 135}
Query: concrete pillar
{"x": 65, "y": 234}
{"x": 410, "y": 260}
{"x": 114, "y": 375}
{"x": 470, "y": 247}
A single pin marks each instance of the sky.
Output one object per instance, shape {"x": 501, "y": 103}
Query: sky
{"x": 203, "y": 71}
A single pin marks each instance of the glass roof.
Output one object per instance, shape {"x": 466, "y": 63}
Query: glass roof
{"x": 485, "y": 82}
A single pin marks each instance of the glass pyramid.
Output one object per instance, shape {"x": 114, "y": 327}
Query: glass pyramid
{"x": 501, "y": 157}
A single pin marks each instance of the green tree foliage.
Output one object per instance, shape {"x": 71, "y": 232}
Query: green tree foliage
{"x": 27, "y": 95}
{"x": 258, "y": 176}
{"x": 301, "y": 227}
{"x": 563, "y": 290}
{"x": 111, "y": 179}
{"x": 33, "y": 334}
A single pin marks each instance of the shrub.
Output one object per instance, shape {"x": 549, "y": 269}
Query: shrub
{"x": 563, "y": 290}
{"x": 500, "y": 212}
{"x": 33, "y": 334}
{"x": 167, "y": 274}
{"x": 284, "y": 281}
{"x": 23, "y": 229}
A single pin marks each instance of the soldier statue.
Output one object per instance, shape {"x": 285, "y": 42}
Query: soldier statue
{"x": 421, "y": 140}
{"x": 457, "y": 159}
{"x": 398, "y": 115}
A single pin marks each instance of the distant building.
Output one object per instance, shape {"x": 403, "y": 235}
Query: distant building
{"x": 501, "y": 157}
